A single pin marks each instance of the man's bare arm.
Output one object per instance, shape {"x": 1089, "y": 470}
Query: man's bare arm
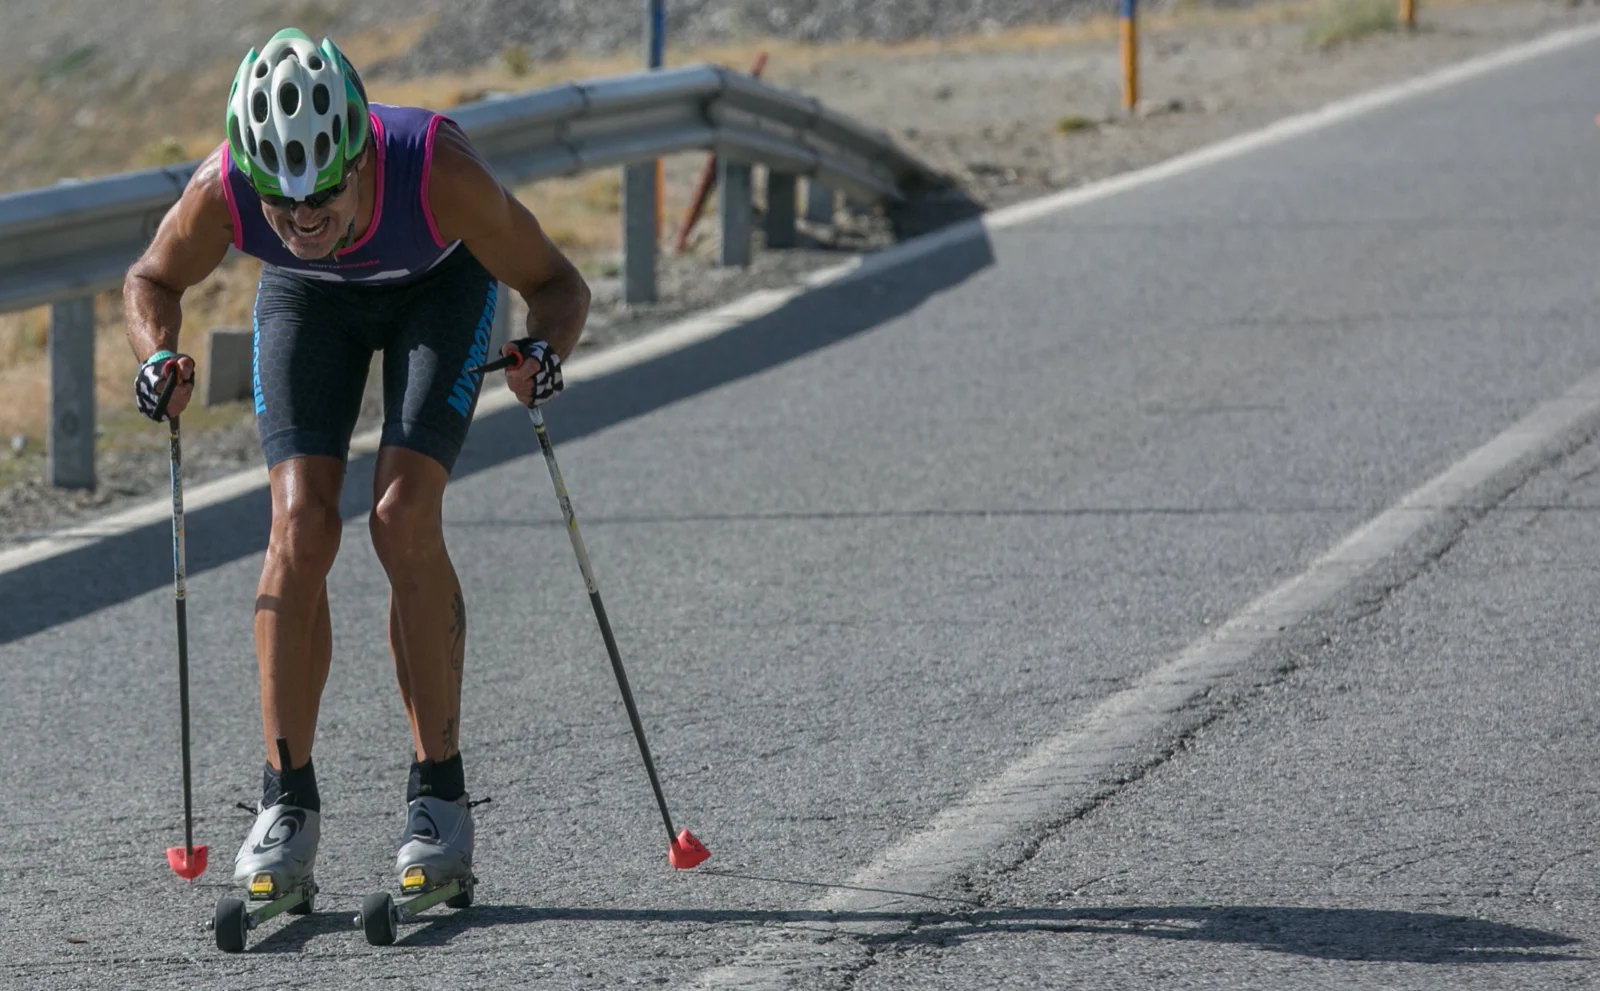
{"x": 189, "y": 245}
{"x": 470, "y": 205}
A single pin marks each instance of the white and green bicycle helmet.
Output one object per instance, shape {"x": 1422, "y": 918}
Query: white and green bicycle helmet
{"x": 297, "y": 115}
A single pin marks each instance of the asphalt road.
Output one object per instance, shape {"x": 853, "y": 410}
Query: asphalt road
{"x": 864, "y": 553}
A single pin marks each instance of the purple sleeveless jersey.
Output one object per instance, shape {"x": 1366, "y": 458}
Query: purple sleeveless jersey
{"x": 403, "y": 240}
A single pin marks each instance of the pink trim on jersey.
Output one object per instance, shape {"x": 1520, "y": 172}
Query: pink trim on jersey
{"x": 427, "y": 173}
{"x": 227, "y": 190}
{"x": 377, "y": 194}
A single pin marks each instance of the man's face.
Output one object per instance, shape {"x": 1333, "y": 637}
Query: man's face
{"x": 309, "y": 232}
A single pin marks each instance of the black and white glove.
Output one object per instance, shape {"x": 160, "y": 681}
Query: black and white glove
{"x": 546, "y": 379}
{"x": 147, "y": 384}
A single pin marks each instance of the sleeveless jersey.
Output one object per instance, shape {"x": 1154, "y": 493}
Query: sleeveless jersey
{"x": 402, "y": 241}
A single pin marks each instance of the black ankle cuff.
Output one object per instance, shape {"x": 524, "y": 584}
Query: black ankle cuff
{"x": 296, "y": 786}
{"x": 444, "y": 780}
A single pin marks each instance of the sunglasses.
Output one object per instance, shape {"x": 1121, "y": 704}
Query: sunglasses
{"x": 315, "y": 201}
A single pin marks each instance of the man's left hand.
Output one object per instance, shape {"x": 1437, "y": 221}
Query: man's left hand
{"x": 539, "y": 378}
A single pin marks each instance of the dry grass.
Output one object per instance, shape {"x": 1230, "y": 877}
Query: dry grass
{"x": 69, "y": 119}
{"x": 224, "y": 300}
{"x": 1338, "y": 22}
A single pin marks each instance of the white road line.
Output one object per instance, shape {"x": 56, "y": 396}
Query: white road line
{"x": 1070, "y": 768}
{"x": 707, "y": 325}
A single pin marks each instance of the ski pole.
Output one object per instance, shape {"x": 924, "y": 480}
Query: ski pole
{"x": 187, "y": 861}
{"x": 684, "y": 850}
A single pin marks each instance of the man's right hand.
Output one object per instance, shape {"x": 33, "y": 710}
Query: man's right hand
{"x": 152, "y": 378}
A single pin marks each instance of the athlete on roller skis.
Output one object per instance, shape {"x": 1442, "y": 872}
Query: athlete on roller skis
{"x": 380, "y": 228}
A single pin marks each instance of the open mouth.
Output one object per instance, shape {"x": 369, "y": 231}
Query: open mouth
{"x": 314, "y": 231}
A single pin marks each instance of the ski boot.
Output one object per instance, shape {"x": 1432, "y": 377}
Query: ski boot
{"x": 275, "y": 864}
{"x": 434, "y": 864}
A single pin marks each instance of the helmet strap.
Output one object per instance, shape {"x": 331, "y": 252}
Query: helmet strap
{"x": 345, "y": 242}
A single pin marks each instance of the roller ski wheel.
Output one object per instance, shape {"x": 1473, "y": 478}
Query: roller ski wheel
{"x": 235, "y": 917}
{"x": 231, "y": 926}
{"x": 377, "y": 919}
{"x": 381, "y": 915}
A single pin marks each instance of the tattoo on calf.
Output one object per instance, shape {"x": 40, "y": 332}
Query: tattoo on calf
{"x": 458, "y": 634}
{"x": 449, "y": 735}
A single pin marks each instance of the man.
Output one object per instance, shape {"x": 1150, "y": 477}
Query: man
{"x": 380, "y": 229}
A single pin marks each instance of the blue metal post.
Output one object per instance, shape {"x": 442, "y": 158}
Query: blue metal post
{"x": 656, "y": 30}
{"x": 641, "y": 186}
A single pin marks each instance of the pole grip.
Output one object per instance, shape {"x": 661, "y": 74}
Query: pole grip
{"x": 170, "y": 370}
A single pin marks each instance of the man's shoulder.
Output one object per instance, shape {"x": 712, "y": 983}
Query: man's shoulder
{"x": 210, "y": 179}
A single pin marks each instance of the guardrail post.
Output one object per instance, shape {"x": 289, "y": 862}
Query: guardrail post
{"x": 733, "y": 204}
{"x": 639, "y": 233}
{"x": 230, "y": 364}
{"x": 69, "y": 442}
{"x": 780, "y": 209}
{"x": 819, "y": 203}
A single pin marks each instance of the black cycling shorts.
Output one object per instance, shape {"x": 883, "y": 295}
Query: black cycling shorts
{"x": 314, "y": 342}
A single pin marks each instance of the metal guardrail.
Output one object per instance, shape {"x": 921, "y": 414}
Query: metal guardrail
{"x": 80, "y": 236}
{"x": 61, "y": 244}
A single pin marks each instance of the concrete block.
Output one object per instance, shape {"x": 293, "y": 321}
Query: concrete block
{"x": 229, "y": 365}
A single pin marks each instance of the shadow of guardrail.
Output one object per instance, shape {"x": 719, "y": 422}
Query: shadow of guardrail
{"x": 39, "y": 596}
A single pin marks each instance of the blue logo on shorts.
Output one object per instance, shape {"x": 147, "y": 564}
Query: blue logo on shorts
{"x": 255, "y": 358}
{"x": 466, "y": 387}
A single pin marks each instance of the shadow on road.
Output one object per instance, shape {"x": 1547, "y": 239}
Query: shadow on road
{"x": 116, "y": 569}
{"x": 1322, "y": 933}
{"x": 294, "y": 935}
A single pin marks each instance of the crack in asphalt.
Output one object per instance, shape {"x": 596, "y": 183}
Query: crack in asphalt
{"x": 1212, "y": 705}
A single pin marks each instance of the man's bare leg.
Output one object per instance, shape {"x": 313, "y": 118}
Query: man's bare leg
{"x": 427, "y": 615}
{"x": 293, "y": 627}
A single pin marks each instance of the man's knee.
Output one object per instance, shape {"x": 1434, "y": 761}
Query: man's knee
{"x": 305, "y": 532}
{"x": 405, "y": 531}
{"x": 305, "y": 514}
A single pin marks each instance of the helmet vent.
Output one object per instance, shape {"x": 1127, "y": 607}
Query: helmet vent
{"x": 259, "y": 107}
{"x": 262, "y": 69}
{"x": 289, "y": 98}
{"x": 320, "y": 99}
{"x": 338, "y": 129}
{"x": 323, "y": 148}
{"x": 250, "y": 143}
{"x": 269, "y": 155}
{"x": 314, "y": 63}
{"x": 234, "y": 137}
{"x": 295, "y": 152}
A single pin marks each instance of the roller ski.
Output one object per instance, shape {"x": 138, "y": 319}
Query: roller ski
{"x": 275, "y": 864}
{"x": 434, "y": 866}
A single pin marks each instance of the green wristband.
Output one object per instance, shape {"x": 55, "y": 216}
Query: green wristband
{"x": 158, "y": 356}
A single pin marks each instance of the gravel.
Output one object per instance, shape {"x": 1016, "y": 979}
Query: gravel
{"x": 988, "y": 120}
